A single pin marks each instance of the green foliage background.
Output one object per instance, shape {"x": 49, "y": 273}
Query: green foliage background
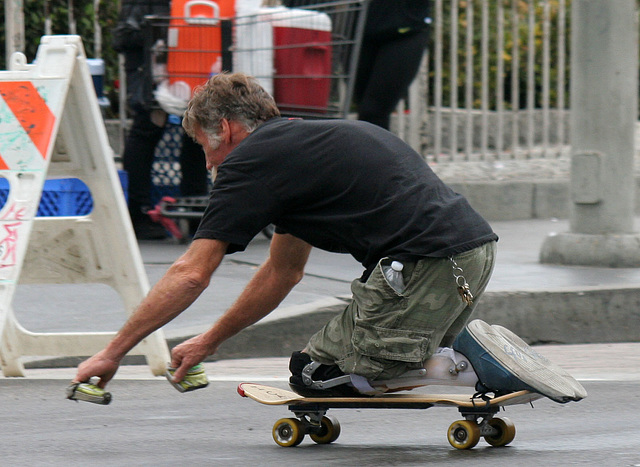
{"x": 35, "y": 12}
{"x": 522, "y": 7}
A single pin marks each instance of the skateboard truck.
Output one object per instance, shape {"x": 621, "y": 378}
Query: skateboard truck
{"x": 88, "y": 392}
{"x": 195, "y": 378}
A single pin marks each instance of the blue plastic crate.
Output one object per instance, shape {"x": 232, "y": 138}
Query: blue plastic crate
{"x": 63, "y": 197}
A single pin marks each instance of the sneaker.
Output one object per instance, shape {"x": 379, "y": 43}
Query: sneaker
{"x": 579, "y": 391}
{"x": 505, "y": 363}
{"x": 312, "y": 379}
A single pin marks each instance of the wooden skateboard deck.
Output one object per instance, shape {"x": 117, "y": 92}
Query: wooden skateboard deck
{"x": 311, "y": 413}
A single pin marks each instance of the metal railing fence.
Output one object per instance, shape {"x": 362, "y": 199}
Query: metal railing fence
{"x": 493, "y": 85}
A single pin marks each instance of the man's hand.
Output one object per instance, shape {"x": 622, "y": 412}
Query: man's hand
{"x": 188, "y": 354}
{"x": 99, "y": 365}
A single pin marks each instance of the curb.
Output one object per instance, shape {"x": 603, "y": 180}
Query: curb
{"x": 561, "y": 317}
{"x": 556, "y": 317}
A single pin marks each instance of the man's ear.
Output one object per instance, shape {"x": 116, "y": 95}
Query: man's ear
{"x": 225, "y": 130}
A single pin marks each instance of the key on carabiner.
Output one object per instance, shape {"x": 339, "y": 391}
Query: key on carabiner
{"x": 465, "y": 294}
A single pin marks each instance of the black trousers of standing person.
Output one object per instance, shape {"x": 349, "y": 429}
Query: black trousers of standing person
{"x": 386, "y": 68}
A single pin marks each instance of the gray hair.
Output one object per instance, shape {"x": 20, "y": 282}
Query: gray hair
{"x": 233, "y": 96}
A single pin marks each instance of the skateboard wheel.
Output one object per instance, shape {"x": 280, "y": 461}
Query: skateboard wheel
{"x": 329, "y": 431}
{"x": 505, "y": 432}
{"x": 463, "y": 434}
{"x": 288, "y": 432}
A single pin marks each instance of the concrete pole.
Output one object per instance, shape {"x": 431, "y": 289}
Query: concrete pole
{"x": 13, "y": 27}
{"x": 604, "y": 94}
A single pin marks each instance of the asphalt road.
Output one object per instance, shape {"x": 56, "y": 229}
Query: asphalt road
{"x": 148, "y": 423}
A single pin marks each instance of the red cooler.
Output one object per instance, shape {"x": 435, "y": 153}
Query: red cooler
{"x": 302, "y": 60}
{"x": 195, "y": 40}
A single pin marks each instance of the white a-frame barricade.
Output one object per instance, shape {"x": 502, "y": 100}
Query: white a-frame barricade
{"x": 51, "y": 126}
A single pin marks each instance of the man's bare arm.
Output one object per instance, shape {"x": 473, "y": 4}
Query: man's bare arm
{"x": 175, "y": 291}
{"x": 265, "y": 291}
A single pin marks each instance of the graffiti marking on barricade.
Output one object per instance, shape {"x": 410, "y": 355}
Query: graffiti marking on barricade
{"x": 14, "y": 212}
{"x": 9, "y": 244}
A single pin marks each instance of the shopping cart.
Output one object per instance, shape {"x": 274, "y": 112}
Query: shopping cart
{"x": 305, "y": 57}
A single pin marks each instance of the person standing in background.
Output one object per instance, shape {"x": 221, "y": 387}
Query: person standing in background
{"x": 148, "y": 123}
{"x": 395, "y": 37}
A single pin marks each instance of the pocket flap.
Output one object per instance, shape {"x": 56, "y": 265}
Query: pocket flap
{"x": 391, "y": 344}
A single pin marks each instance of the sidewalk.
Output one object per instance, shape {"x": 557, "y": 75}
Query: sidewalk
{"x": 544, "y": 304}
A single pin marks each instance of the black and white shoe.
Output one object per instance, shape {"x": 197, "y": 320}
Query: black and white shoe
{"x": 504, "y": 363}
{"x": 312, "y": 379}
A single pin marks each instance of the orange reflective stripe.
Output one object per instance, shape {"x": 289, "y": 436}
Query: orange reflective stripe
{"x": 31, "y": 110}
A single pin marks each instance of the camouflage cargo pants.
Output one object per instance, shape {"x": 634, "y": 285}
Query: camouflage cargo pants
{"x": 383, "y": 334}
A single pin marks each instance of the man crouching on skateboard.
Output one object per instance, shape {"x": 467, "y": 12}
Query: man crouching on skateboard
{"x": 349, "y": 187}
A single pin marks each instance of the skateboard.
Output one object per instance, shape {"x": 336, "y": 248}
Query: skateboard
{"x": 478, "y": 413}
